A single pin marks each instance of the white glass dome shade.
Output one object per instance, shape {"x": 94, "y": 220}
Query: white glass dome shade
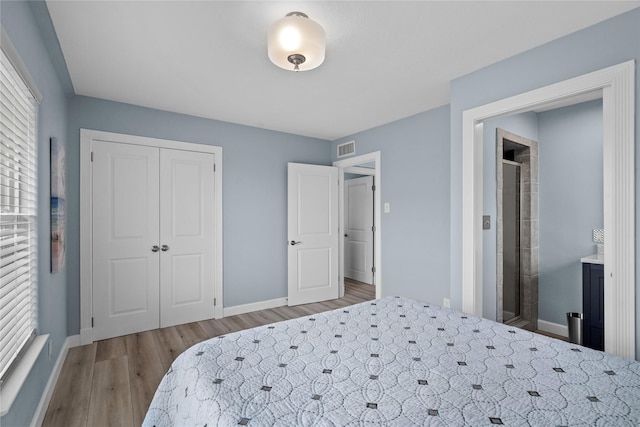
{"x": 296, "y": 42}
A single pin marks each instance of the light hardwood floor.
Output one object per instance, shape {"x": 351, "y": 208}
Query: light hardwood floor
{"x": 112, "y": 382}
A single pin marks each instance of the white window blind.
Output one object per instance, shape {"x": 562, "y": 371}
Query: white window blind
{"x": 18, "y": 210}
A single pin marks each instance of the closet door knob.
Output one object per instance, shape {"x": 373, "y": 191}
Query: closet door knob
{"x": 155, "y": 248}
{"x": 165, "y": 248}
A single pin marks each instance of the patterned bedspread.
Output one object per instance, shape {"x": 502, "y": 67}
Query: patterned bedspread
{"x": 397, "y": 362}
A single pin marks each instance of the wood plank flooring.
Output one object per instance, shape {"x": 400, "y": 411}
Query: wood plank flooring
{"x": 549, "y": 334}
{"x": 112, "y": 382}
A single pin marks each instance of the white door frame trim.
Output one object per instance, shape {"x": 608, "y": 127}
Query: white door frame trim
{"x": 617, "y": 85}
{"x": 86, "y": 222}
{"x": 358, "y": 170}
{"x": 342, "y": 165}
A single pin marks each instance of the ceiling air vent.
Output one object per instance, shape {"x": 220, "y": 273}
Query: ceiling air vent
{"x": 347, "y": 149}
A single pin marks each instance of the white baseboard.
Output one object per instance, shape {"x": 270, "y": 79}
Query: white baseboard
{"x": 553, "y": 328}
{"x": 73, "y": 340}
{"x": 38, "y": 417}
{"x": 86, "y": 336}
{"x": 254, "y": 306}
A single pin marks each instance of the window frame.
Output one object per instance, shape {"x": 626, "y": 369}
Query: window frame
{"x": 30, "y": 344}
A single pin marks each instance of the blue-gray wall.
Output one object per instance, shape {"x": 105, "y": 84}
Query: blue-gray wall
{"x": 570, "y": 203}
{"x": 19, "y": 21}
{"x": 415, "y": 181}
{"x": 254, "y": 191}
{"x": 605, "y": 44}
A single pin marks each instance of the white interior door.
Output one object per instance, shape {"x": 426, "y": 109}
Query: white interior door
{"x": 125, "y": 231}
{"x": 313, "y": 233}
{"x": 187, "y": 207}
{"x": 358, "y": 220}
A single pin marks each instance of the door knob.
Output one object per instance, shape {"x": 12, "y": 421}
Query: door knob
{"x": 165, "y": 248}
{"x": 346, "y": 235}
{"x": 293, "y": 243}
{"x": 155, "y": 248}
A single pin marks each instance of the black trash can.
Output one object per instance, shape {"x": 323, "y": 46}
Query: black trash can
{"x": 574, "y": 322}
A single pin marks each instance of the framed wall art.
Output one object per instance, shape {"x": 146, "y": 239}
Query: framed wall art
{"x": 58, "y": 197}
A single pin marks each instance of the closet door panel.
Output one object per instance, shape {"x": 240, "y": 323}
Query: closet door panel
{"x": 125, "y": 228}
{"x": 187, "y": 215}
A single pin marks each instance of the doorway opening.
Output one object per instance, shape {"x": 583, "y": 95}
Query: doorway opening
{"x": 359, "y": 231}
{"x": 517, "y": 230}
{"x": 612, "y": 85}
{"x": 369, "y": 165}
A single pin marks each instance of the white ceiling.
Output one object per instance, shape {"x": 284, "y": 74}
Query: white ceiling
{"x": 385, "y": 60}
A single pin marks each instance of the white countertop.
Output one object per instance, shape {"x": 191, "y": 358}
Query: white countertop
{"x": 593, "y": 259}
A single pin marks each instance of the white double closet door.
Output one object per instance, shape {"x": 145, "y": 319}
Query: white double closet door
{"x": 153, "y": 237}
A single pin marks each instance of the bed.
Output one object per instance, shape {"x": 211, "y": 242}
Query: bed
{"x": 398, "y": 362}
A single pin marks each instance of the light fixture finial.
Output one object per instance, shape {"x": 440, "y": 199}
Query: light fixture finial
{"x": 296, "y": 59}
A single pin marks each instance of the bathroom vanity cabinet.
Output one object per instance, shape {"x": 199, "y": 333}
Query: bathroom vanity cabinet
{"x": 593, "y": 305}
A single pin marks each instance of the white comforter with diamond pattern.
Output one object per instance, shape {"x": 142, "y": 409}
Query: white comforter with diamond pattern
{"x": 396, "y": 362}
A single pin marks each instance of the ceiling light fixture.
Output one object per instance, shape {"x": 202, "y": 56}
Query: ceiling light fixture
{"x": 296, "y": 41}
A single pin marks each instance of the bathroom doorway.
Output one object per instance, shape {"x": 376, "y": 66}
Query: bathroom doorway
{"x": 517, "y": 230}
